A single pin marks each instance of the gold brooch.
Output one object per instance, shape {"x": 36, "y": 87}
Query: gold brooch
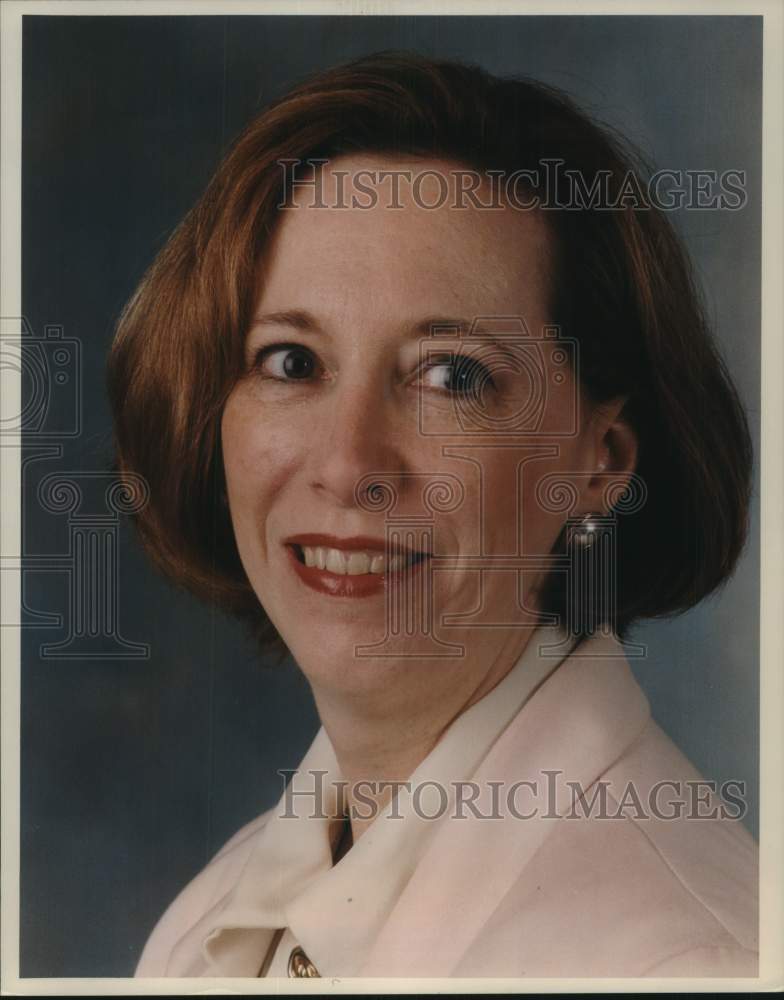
{"x": 301, "y": 967}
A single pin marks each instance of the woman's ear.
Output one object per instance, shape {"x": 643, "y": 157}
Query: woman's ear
{"x": 614, "y": 444}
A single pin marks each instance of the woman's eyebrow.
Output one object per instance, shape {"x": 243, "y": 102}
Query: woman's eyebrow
{"x": 301, "y": 319}
{"x": 298, "y": 319}
{"x": 441, "y": 326}
{"x": 430, "y": 326}
{"x": 500, "y": 329}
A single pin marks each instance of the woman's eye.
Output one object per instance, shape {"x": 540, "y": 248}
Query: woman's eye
{"x": 287, "y": 362}
{"x": 461, "y": 375}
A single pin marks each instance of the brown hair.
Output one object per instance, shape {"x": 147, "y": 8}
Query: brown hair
{"x": 623, "y": 290}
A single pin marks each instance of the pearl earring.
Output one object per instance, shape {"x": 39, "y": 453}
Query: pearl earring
{"x": 584, "y": 532}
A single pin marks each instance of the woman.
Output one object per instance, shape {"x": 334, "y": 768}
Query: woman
{"x": 418, "y": 386}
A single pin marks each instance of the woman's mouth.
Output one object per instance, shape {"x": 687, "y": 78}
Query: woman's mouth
{"x": 354, "y": 563}
{"x": 352, "y": 572}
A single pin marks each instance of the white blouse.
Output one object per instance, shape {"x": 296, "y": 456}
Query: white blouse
{"x": 290, "y": 881}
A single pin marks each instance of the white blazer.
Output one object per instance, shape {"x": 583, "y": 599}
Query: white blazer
{"x": 557, "y": 887}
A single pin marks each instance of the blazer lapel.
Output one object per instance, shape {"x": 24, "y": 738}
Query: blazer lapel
{"x": 571, "y": 730}
{"x": 238, "y": 951}
{"x": 233, "y": 936}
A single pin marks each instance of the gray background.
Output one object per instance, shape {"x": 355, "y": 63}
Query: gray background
{"x": 135, "y": 772}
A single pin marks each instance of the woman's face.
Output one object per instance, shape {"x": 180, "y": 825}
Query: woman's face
{"x": 345, "y": 380}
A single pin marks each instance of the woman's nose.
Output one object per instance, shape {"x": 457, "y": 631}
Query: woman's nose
{"x": 359, "y": 436}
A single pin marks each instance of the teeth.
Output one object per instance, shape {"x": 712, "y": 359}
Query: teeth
{"x": 358, "y": 562}
{"x": 354, "y": 563}
{"x": 336, "y": 563}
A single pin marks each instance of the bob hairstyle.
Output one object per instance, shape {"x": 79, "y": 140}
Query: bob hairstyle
{"x": 623, "y": 290}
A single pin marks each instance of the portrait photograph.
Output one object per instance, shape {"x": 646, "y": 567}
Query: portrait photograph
{"x": 391, "y": 498}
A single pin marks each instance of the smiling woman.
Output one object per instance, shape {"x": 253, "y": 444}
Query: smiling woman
{"x": 426, "y": 435}
{"x": 350, "y": 397}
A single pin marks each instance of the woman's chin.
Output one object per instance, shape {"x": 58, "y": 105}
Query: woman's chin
{"x": 362, "y": 660}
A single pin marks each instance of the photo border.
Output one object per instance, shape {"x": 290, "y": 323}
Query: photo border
{"x": 772, "y": 503}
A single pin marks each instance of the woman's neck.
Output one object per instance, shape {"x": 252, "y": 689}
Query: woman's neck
{"x": 372, "y": 758}
{"x": 381, "y": 740}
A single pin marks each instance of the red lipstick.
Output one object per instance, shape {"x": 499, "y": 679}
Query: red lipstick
{"x": 354, "y": 585}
